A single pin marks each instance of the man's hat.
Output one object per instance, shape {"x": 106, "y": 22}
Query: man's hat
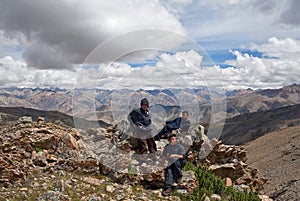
{"x": 144, "y": 101}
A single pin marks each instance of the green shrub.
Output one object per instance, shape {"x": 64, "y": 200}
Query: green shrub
{"x": 131, "y": 170}
{"x": 211, "y": 184}
{"x": 38, "y": 149}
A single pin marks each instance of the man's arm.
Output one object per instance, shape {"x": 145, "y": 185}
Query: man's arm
{"x": 179, "y": 153}
{"x": 173, "y": 124}
{"x": 176, "y": 156}
{"x": 133, "y": 117}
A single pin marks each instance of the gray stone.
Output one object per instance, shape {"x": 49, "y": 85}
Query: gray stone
{"x": 206, "y": 198}
{"x": 53, "y": 196}
{"x": 25, "y": 119}
{"x": 215, "y": 197}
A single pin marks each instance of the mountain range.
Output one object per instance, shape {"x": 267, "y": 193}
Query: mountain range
{"x": 249, "y": 114}
{"x": 98, "y": 104}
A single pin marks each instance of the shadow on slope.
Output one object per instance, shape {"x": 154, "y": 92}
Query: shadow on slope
{"x": 248, "y": 127}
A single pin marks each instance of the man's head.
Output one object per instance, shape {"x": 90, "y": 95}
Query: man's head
{"x": 172, "y": 139}
{"x": 144, "y": 104}
{"x": 185, "y": 115}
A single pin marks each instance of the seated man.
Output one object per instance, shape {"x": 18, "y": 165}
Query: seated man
{"x": 182, "y": 123}
{"x": 174, "y": 154}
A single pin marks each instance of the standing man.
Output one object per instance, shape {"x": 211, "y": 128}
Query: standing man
{"x": 182, "y": 123}
{"x": 174, "y": 154}
{"x": 141, "y": 120}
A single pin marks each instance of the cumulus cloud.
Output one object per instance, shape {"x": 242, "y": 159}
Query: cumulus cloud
{"x": 279, "y": 66}
{"x": 180, "y": 70}
{"x": 43, "y": 43}
{"x": 16, "y": 73}
{"x": 57, "y": 34}
{"x": 11, "y": 71}
{"x": 287, "y": 48}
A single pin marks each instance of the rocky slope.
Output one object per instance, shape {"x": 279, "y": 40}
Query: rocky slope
{"x": 45, "y": 161}
{"x": 277, "y": 156}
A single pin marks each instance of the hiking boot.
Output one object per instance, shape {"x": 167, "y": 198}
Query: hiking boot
{"x": 179, "y": 180}
{"x": 167, "y": 192}
{"x": 175, "y": 184}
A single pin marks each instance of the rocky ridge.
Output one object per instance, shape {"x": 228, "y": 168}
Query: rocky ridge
{"x": 41, "y": 160}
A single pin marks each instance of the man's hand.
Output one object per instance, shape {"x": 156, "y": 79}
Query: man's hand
{"x": 176, "y": 156}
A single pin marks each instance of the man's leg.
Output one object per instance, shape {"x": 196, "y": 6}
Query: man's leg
{"x": 168, "y": 177}
{"x": 168, "y": 181}
{"x": 177, "y": 169}
{"x": 142, "y": 146}
{"x": 151, "y": 145}
{"x": 163, "y": 131}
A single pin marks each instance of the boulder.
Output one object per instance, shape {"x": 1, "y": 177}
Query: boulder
{"x": 24, "y": 120}
{"x": 188, "y": 181}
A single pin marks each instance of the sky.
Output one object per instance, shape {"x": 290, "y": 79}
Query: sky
{"x": 149, "y": 43}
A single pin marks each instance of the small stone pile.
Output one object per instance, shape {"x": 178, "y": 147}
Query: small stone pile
{"x": 230, "y": 162}
{"x": 227, "y": 162}
{"x": 29, "y": 145}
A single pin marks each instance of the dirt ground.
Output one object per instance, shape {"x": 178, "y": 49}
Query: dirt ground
{"x": 277, "y": 157}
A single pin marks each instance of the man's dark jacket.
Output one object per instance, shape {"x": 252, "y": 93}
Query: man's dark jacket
{"x": 173, "y": 125}
{"x": 178, "y": 123}
{"x": 140, "y": 118}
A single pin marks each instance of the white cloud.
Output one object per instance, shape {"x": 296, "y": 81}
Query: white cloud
{"x": 16, "y": 73}
{"x": 53, "y": 43}
{"x": 283, "y": 48}
{"x": 11, "y": 71}
{"x": 180, "y": 70}
{"x": 280, "y": 65}
{"x": 56, "y": 34}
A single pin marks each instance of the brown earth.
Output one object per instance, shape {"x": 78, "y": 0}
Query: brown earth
{"x": 277, "y": 157}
